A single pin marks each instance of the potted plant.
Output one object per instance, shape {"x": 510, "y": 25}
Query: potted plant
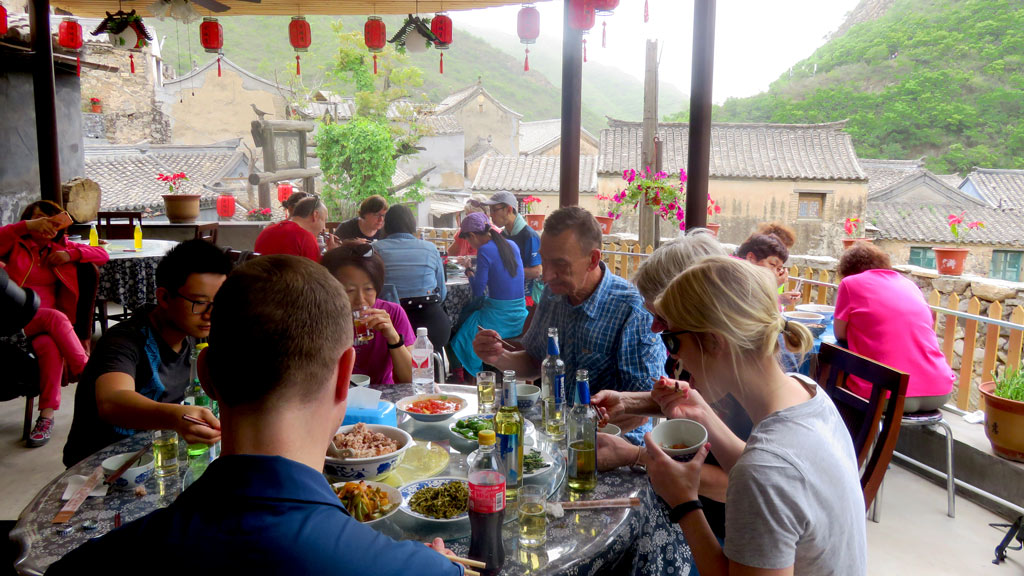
{"x": 854, "y": 228}
{"x": 714, "y": 209}
{"x": 1004, "y": 414}
{"x": 97, "y": 106}
{"x": 654, "y": 189}
{"x": 259, "y": 215}
{"x": 180, "y": 208}
{"x": 535, "y": 221}
{"x": 951, "y": 260}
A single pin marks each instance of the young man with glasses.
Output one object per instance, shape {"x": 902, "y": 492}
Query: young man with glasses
{"x": 137, "y": 375}
{"x": 504, "y": 214}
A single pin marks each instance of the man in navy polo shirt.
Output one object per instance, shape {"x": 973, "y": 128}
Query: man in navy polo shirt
{"x": 279, "y": 363}
{"x": 504, "y": 213}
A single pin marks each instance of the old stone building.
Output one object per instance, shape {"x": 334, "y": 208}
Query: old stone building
{"x": 483, "y": 117}
{"x": 532, "y": 175}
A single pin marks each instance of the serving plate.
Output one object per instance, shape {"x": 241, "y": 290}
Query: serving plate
{"x": 411, "y": 488}
{"x": 404, "y": 403}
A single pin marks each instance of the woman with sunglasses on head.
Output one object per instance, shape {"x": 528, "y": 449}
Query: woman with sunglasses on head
{"x": 794, "y": 500}
{"x": 37, "y": 255}
{"x": 298, "y": 235}
{"x": 386, "y": 358}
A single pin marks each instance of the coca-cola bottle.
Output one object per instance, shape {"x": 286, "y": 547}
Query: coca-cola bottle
{"x": 486, "y": 506}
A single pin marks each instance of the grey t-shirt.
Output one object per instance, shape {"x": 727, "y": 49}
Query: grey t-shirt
{"x": 794, "y": 494}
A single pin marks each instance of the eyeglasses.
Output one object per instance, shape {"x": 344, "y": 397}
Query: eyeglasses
{"x": 198, "y": 306}
{"x": 670, "y": 340}
{"x": 497, "y": 208}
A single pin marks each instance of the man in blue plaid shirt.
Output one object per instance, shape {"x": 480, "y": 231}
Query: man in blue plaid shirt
{"x": 602, "y": 324}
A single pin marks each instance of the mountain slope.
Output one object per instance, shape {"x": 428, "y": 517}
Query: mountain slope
{"x": 936, "y": 78}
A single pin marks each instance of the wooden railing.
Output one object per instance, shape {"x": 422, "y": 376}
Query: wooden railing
{"x": 441, "y": 237}
{"x": 624, "y": 259}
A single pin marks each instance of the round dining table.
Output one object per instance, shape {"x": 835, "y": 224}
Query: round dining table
{"x": 582, "y": 541}
{"x": 129, "y": 278}
{"x": 459, "y": 294}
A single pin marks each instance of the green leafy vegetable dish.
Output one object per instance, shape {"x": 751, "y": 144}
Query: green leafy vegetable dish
{"x": 471, "y": 426}
{"x": 445, "y": 501}
{"x": 533, "y": 462}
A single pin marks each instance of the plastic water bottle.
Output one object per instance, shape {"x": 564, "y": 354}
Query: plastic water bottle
{"x": 422, "y": 363}
{"x": 94, "y": 237}
{"x": 138, "y": 237}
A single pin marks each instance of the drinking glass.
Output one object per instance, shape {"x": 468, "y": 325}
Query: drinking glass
{"x": 363, "y": 332}
{"x": 485, "y": 391}
{"x": 533, "y": 518}
{"x": 165, "y": 452}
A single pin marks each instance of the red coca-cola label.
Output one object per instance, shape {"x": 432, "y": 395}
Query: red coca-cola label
{"x": 486, "y": 498}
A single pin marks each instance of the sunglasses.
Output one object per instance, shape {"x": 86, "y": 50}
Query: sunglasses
{"x": 670, "y": 340}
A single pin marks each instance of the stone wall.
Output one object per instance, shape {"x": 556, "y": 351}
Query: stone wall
{"x": 979, "y": 260}
{"x": 130, "y": 112}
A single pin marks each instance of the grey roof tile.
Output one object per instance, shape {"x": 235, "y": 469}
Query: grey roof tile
{"x": 1002, "y": 188}
{"x": 915, "y": 222}
{"x": 536, "y": 136}
{"x": 526, "y": 173}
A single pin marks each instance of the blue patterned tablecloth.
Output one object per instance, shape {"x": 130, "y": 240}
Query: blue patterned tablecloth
{"x": 129, "y": 278}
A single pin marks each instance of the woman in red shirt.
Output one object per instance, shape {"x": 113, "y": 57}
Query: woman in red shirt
{"x": 38, "y": 256}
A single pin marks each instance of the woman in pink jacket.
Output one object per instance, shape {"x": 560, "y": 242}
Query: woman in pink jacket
{"x": 38, "y": 256}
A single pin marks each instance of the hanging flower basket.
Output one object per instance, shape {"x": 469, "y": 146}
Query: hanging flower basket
{"x": 668, "y": 200}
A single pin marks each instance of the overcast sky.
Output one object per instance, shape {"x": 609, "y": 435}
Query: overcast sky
{"x": 755, "y": 40}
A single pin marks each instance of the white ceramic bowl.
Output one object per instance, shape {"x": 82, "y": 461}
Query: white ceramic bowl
{"x": 527, "y": 395}
{"x": 394, "y": 497}
{"x": 680, "y": 431}
{"x": 611, "y": 429}
{"x": 404, "y": 404}
{"x": 825, "y": 310}
{"x": 413, "y": 487}
{"x": 355, "y": 469}
{"x": 132, "y": 477}
{"x": 360, "y": 380}
{"x": 804, "y": 317}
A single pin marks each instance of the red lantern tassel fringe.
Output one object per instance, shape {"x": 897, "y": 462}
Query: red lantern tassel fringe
{"x": 78, "y": 66}
{"x": 604, "y": 34}
{"x": 647, "y": 15}
{"x": 298, "y": 69}
{"x": 584, "y": 49}
{"x": 218, "y": 66}
{"x": 375, "y": 64}
{"x": 131, "y": 58}
{"x": 526, "y": 63}
{"x": 442, "y": 62}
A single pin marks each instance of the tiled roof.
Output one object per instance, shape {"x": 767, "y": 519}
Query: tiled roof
{"x": 953, "y": 180}
{"x": 537, "y": 136}
{"x": 927, "y": 223}
{"x": 884, "y": 173}
{"x": 127, "y": 174}
{"x": 1002, "y": 188}
{"x": 20, "y": 21}
{"x": 343, "y": 108}
{"x": 481, "y": 148}
{"x": 772, "y": 151}
{"x": 530, "y": 174}
{"x": 442, "y": 125}
{"x": 458, "y": 99}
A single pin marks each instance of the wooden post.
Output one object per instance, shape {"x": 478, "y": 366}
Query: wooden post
{"x": 572, "y": 90}
{"x": 1013, "y": 353}
{"x": 44, "y": 90}
{"x": 949, "y": 336}
{"x": 963, "y": 393}
{"x": 648, "y": 150}
{"x": 995, "y": 311}
{"x": 699, "y": 159}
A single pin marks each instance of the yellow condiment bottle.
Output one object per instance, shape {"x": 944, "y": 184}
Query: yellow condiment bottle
{"x": 138, "y": 237}
{"x": 94, "y": 237}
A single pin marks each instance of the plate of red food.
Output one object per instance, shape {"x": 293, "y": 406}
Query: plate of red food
{"x": 431, "y": 407}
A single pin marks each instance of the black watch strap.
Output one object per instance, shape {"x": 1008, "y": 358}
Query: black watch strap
{"x": 399, "y": 344}
{"x": 683, "y": 509}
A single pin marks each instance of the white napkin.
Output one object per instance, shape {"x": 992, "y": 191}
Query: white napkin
{"x": 362, "y": 397}
{"x": 75, "y": 482}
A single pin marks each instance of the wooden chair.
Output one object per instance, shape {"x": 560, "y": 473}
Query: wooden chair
{"x": 239, "y": 256}
{"x": 207, "y": 232}
{"x": 873, "y": 423}
{"x": 119, "y": 230}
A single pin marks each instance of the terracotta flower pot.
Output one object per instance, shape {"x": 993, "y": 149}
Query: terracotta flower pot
{"x": 1004, "y": 424}
{"x": 181, "y": 208}
{"x": 97, "y": 108}
{"x": 535, "y": 221}
{"x": 713, "y": 227}
{"x": 847, "y": 242}
{"x": 950, "y": 260}
{"x": 606, "y": 224}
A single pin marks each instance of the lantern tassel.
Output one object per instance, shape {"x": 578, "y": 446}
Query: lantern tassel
{"x": 442, "y": 62}
{"x": 78, "y": 65}
{"x": 526, "y": 63}
{"x": 647, "y": 14}
{"x": 131, "y": 58}
{"x": 218, "y": 66}
{"x": 375, "y": 64}
{"x": 604, "y": 34}
{"x": 584, "y": 50}
{"x": 298, "y": 68}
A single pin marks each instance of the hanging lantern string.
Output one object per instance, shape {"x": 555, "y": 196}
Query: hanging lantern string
{"x": 218, "y": 65}
{"x": 526, "y": 63}
{"x": 131, "y": 58}
{"x": 375, "y": 64}
{"x": 298, "y": 68}
{"x": 442, "y": 62}
{"x": 647, "y": 14}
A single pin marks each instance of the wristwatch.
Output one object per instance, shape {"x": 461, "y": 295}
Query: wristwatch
{"x": 683, "y": 509}
{"x": 396, "y": 345}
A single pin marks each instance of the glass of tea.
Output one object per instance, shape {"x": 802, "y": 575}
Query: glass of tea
{"x": 363, "y": 332}
{"x": 533, "y": 519}
{"x": 485, "y": 392}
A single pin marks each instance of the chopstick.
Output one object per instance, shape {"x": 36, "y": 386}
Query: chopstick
{"x": 504, "y": 343}
{"x": 468, "y": 562}
{"x": 127, "y": 464}
{"x": 609, "y": 503}
{"x": 471, "y": 572}
{"x": 195, "y": 420}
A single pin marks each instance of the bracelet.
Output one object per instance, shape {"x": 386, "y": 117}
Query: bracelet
{"x": 636, "y": 466}
{"x": 397, "y": 345}
{"x": 683, "y": 509}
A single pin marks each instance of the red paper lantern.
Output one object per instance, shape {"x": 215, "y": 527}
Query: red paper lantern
{"x": 604, "y": 7}
{"x": 375, "y": 36}
{"x": 3, "y": 20}
{"x": 225, "y": 206}
{"x": 284, "y": 190}
{"x": 528, "y": 27}
{"x": 300, "y": 37}
{"x": 69, "y": 36}
{"x": 211, "y": 35}
{"x": 581, "y": 15}
{"x": 441, "y": 26}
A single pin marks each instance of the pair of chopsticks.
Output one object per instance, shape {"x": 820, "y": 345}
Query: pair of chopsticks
{"x": 127, "y": 464}
{"x": 609, "y": 503}
{"x": 195, "y": 420}
{"x": 469, "y": 564}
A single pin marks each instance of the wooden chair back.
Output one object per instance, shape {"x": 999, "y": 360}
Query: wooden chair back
{"x": 207, "y": 232}
{"x": 118, "y": 230}
{"x": 874, "y": 424}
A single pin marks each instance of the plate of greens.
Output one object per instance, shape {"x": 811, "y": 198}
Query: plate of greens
{"x": 444, "y": 499}
{"x": 536, "y": 462}
{"x": 463, "y": 432}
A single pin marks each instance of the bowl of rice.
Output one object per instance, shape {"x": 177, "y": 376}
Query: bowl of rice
{"x": 366, "y": 451}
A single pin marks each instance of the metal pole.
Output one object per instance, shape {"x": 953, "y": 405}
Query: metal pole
{"x": 572, "y": 90}
{"x": 648, "y": 150}
{"x": 699, "y": 155}
{"x": 45, "y": 95}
